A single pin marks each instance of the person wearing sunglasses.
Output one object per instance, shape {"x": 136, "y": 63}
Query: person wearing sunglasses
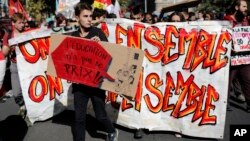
{"x": 149, "y": 18}
{"x": 137, "y": 14}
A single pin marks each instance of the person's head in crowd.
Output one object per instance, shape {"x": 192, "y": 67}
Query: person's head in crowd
{"x": 239, "y": 10}
{"x": 111, "y": 16}
{"x": 137, "y": 14}
{"x": 18, "y": 21}
{"x": 200, "y": 16}
{"x": 209, "y": 15}
{"x": 184, "y": 12}
{"x": 156, "y": 18}
{"x": 165, "y": 18}
{"x": 191, "y": 16}
{"x": 156, "y": 15}
{"x": 50, "y": 24}
{"x": 61, "y": 20}
{"x": 176, "y": 17}
{"x": 99, "y": 15}
{"x": 149, "y": 18}
{"x": 32, "y": 24}
{"x": 84, "y": 15}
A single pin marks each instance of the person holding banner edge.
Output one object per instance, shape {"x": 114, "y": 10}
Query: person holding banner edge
{"x": 237, "y": 15}
{"x": 18, "y": 24}
{"x": 82, "y": 93}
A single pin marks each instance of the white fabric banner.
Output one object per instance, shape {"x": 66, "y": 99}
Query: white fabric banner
{"x": 2, "y": 71}
{"x": 184, "y": 81}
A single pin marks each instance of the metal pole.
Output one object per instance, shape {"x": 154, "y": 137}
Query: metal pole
{"x": 145, "y": 4}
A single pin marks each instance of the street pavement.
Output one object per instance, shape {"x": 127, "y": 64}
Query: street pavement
{"x": 59, "y": 128}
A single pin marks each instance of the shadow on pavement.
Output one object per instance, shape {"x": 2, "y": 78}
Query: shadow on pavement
{"x": 93, "y": 126}
{"x": 13, "y": 128}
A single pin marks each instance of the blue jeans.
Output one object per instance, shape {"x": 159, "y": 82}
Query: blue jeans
{"x": 82, "y": 94}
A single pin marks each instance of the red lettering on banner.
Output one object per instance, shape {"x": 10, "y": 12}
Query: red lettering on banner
{"x": 212, "y": 96}
{"x": 210, "y": 61}
{"x": 41, "y": 49}
{"x": 112, "y": 97}
{"x": 187, "y": 90}
{"x": 134, "y": 36}
{"x": 192, "y": 38}
{"x": 200, "y": 53}
{"x": 201, "y": 46}
{"x": 168, "y": 94}
{"x": 182, "y": 89}
{"x": 153, "y": 36}
{"x": 53, "y": 84}
{"x": 170, "y": 30}
{"x": 125, "y": 105}
{"x": 138, "y": 94}
{"x": 33, "y": 87}
{"x": 119, "y": 30}
{"x": 225, "y": 37}
{"x": 153, "y": 88}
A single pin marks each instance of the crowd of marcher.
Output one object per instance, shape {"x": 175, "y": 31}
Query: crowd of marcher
{"x": 89, "y": 20}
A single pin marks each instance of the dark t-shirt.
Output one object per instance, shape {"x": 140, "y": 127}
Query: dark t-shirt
{"x": 93, "y": 31}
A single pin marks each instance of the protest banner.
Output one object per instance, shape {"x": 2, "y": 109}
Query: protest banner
{"x": 2, "y": 73}
{"x": 184, "y": 79}
{"x": 183, "y": 83}
{"x": 104, "y": 65}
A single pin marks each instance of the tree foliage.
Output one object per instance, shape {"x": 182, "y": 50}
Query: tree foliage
{"x": 34, "y": 8}
{"x": 124, "y": 3}
{"x": 215, "y": 5}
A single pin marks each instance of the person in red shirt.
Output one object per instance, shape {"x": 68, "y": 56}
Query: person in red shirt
{"x": 237, "y": 13}
{"x": 18, "y": 27}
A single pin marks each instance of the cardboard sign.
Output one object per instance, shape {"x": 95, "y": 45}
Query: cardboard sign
{"x": 81, "y": 61}
{"x": 241, "y": 38}
{"x": 104, "y": 65}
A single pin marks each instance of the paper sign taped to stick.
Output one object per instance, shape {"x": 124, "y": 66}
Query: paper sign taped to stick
{"x": 108, "y": 66}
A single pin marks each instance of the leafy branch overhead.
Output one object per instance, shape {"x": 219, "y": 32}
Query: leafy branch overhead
{"x": 34, "y": 8}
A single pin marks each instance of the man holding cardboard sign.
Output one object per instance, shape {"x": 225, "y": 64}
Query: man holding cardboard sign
{"x": 83, "y": 93}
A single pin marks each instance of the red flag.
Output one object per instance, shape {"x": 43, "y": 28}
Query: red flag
{"x": 16, "y": 6}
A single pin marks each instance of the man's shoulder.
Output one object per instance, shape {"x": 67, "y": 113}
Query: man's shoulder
{"x": 75, "y": 33}
{"x": 95, "y": 29}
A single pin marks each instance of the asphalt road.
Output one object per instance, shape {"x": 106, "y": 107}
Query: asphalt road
{"x": 58, "y": 128}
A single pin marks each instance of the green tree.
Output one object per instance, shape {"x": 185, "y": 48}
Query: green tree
{"x": 34, "y": 8}
{"x": 124, "y": 3}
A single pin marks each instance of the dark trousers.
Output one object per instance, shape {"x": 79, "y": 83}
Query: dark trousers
{"x": 16, "y": 85}
{"x": 243, "y": 74}
{"x": 82, "y": 94}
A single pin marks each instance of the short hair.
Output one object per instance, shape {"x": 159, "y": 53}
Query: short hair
{"x": 17, "y": 16}
{"x": 182, "y": 19}
{"x": 98, "y": 13}
{"x": 82, "y": 6}
{"x": 136, "y": 10}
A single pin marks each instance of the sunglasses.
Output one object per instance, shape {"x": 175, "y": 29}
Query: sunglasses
{"x": 137, "y": 18}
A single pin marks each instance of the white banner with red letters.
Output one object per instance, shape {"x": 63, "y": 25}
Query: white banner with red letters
{"x": 183, "y": 85}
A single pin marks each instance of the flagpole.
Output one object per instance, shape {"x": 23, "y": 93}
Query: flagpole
{"x": 145, "y": 4}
